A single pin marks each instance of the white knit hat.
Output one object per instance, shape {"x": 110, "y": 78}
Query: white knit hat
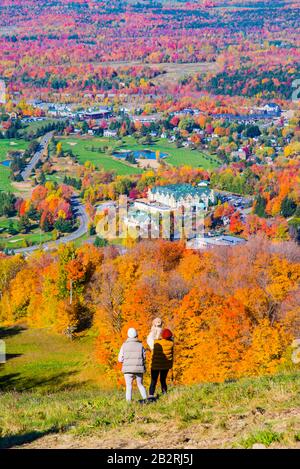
{"x": 132, "y": 334}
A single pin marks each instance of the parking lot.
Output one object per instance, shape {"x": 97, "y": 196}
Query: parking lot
{"x": 239, "y": 202}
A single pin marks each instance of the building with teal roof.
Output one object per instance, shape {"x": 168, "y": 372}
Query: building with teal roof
{"x": 182, "y": 195}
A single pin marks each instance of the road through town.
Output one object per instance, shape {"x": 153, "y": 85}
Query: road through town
{"x": 26, "y": 173}
{"x": 81, "y": 215}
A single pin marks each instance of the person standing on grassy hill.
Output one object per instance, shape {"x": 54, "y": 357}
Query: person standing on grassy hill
{"x": 161, "y": 361}
{"x": 132, "y": 355}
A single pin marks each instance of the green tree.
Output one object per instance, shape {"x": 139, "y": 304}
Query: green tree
{"x": 288, "y": 207}
{"x": 100, "y": 242}
{"x": 7, "y": 204}
{"x": 42, "y": 178}
{"x": 253, "y": 131}
{"x": 85, "y": 127}
{"x": 11, "y": 229}
{"x": 24, "y": 224}
{"x": 92, "y": 230}
{"x": 64, "y": 226}
{"x": 260, "y": 207}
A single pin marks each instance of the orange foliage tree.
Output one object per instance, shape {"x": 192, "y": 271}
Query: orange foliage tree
{"x": 233, "y": 311}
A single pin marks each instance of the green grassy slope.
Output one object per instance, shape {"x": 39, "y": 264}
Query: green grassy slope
{"x": 52, "y": 394}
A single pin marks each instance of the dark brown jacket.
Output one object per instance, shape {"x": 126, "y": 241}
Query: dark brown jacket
{"x": 162, "y": 355}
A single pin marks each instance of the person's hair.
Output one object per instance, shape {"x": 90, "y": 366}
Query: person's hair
{"x": 157, "y": 322}
{"x": 156, "y": 328}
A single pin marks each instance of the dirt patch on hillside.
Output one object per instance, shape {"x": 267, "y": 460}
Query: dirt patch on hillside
{"x": 148, "y": 164}
{"x": 223, "y": 433}
{"x": 25, "y": 188}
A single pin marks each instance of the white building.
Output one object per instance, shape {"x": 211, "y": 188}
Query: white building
{"x": 162, "y": 215}
{"x": 182, "y": 195}
{"x": 110, "y": 133}
{"x": 207, "y": 242}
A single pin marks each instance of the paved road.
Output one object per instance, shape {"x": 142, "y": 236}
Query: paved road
{"x": 26, "y": 173}
{"x": 81, "y": 215}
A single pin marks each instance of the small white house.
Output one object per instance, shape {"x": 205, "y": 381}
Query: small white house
{"x": 225, "y": 220}
{"x": 110, "y": 133}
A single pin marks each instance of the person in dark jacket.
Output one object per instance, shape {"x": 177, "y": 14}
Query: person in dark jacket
{"x": 133, "y": 357}
{"x": 161, "y": 361}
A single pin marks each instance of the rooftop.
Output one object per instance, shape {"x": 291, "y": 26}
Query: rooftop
{"x": 223, "y": 240}
{"x": 180, "y": 190}
{"x": 146, "y": 205}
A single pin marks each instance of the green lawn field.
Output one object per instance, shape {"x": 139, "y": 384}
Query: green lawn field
{"x": 80, "y": 148}
{"x": 11, "y": 145}
{"x": 18, "y": 240}
{"x": 55, "y": 177}
{"x": 176, "y": 156}
{"x": 4, "y": 222}
{"x": 5, "y": 183}
{"x": 7, "y": 145}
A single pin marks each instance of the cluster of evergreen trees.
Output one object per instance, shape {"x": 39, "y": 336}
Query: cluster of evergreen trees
{"x": 77, "y": 183}
{"x": 7, "y": 204}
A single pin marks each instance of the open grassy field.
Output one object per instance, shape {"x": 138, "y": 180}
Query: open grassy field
{"x": 177, "y": 156}
{"x": 5, "y": 146}
{"x": 5, "y": 183}
{"x": 54, "y": 395}
{"x": 17, "y": 241}
{"x": 11, "y": 145}
{"x": 4, "y": 222}
{"x": 82, "y": 147}
{"x": 56, "y": 177}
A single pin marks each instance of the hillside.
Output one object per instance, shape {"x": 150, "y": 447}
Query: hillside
{"x": 52, "y": 396}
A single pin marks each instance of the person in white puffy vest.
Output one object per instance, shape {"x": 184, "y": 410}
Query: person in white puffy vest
{"x": 132, "y": 355}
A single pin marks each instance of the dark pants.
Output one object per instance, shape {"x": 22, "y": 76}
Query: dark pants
{"x": 154, "y": 377}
